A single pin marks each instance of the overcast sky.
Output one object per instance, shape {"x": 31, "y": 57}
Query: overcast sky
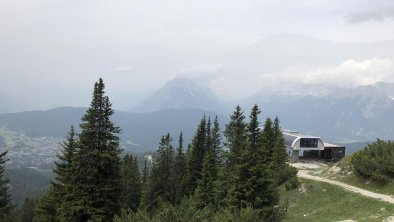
{"x": 52, "y": 51}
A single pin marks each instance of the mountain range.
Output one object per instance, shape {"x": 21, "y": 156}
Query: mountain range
{"x": 337, "y": 114}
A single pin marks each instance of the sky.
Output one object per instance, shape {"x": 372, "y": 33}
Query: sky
{"x": 52, "y": 52}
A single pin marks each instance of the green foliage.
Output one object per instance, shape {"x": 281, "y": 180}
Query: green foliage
{"x": 5, "y": 196}
{"x": 375, "y": 162}
{"x": 26, "y": 212}
{"x": 323, "y": 202}
{"x": 161, "y": 185}
{"x": 50, "y": 204}
{"x": 187, "y": 211}
{"x": 180, "y": 171}
{"x": 95, "y": 165}
{"x": 131, "y": 183}
{"x": 292, "y": 183}
{"x": 27, "y": 183}
{"x": 196, "y": 156}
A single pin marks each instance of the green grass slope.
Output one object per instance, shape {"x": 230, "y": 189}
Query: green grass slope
{"x": 317, "y": 201}
{"x": 343, "y": 172}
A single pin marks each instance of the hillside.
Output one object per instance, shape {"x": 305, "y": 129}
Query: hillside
{"x": 318, "y": 201}
{"x": 140, "y": 131}
{"x": 33, "y": 138}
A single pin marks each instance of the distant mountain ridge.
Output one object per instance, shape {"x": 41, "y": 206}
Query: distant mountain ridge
{"x": 341, "y": 114}
{"x": 180, "y": 93}
{"x": 140, "y": 131}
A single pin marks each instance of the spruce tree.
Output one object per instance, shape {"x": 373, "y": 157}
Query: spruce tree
{"x": 234, "y": 173}
{"x": 131, "y": 183}
{"x": 162, "y": 180}
{"x": 236, "y": 137}
{"x": 205, "y": 188}
{"x": 279, "y": 155}
{"x": 268, "y": 137}
{"x": 96, "y": 181}
{"x": 260, "y": 186}
{"x": 50, "y": 204}
{"x": 196, "y": 156}
{"x": 5, "y": 196}
{"x": 180, "y": 171}
{"x": 216, "y": 138}
{"x": 26, "y": 212}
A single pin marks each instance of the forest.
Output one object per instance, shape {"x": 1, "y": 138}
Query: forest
{"x": 222, "y": 175}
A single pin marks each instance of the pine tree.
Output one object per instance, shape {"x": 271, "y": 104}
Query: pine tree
{"x": 205, "y": 187}
{"x": 96, "y": 181}
{"x": 260, "y": 190}
{"x": 255, "y": 186}
{"x": 279, "y": 155}
{"x": 180, "y": 171}
{"x": 234, "y": 173}
{"x": 131, "y": 183}
{"x": 162, "y": 180}
{"x": 268, "y": 137}
{"x": 48, "y": 206}
{"x": 236, "y": 137}
{"x": 196, "y": 156}
{"x": 26, "y": 212}
{"x": 217, "y": 142}
{"x": 5, "y": 196}
{"x": 145, "y": 182}
{"x": 248, "y": 170}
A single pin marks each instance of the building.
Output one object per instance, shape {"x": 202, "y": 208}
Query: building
{"x": 311, "y": 146}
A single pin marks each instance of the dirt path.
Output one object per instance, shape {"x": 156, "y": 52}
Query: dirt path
{"x": 382, "y": 197}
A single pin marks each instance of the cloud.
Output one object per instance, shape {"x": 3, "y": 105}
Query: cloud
{"x": 123, "y": 69}
{"x": 350, "y": 73}
{"x": 203, "y": 73}
{"x": 376, "y": 14}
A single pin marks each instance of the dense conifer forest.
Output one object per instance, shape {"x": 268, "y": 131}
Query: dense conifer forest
{"x": 229, "y": 174}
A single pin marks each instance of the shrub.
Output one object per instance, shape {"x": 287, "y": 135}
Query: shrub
{"x": 375, "y": 162}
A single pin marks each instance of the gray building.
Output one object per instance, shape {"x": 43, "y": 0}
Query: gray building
{"x": 311, "y": 146}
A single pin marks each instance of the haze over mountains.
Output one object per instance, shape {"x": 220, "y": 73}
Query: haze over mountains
{"x": 335, "y": 113}
{"x": 181, "y": 93}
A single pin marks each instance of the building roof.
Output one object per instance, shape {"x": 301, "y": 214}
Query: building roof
{"x": 331, "y": 145}
{"x": 297, "y": 134}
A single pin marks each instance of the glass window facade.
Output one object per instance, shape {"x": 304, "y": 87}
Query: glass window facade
{"x": 309, "y": 142}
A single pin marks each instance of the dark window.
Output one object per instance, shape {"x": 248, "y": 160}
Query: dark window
{"x": 309, "y": 142}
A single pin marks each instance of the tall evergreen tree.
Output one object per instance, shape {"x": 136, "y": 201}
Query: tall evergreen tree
{"x": 196, "y": 156}
{"x": 268, "y": 138}
{"x": 216, "y": 138}
{"x": 26, "y": 212}
{"x": 131, "y": 183}
{"x": 162, "y": 181}
{"x": 254, "y": 131}
{"x": 234, "y": 172}
{"x": 247, "y": 171}
{"x": 279, "y": 155}
{"x": 48, "y": 206}
{"x": 277, "y": 129}
{"x": 260, "y": 190}
{"x": 205, "y": 188}
{"x": 96, "y": 181}
{"x": 236, "y": 136}
{"x": 5, "y": 196}
{"x": 180, "y": 171}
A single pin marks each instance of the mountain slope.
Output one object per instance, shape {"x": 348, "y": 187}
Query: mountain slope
{"x": 140, "y": 131}
{"x": 340, "y": 115}
{"x": 180, "y": 93}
